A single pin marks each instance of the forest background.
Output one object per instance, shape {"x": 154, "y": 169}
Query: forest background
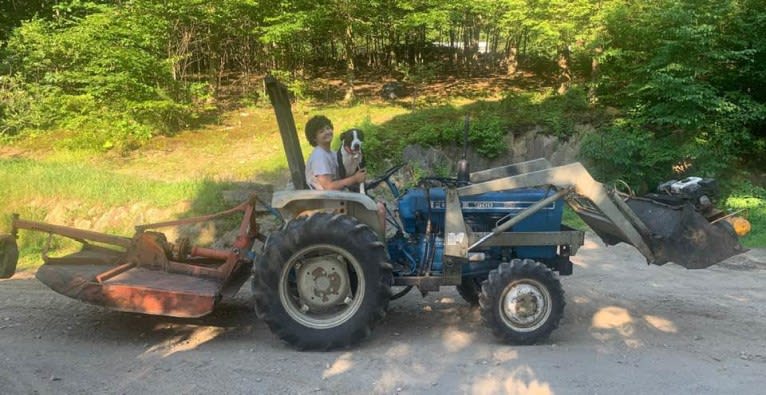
{"x": 95, "y": 94}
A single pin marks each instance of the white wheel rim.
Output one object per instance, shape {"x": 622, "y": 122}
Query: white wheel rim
{"x": 525, "y": 305}
{"x": 337, "y": 302}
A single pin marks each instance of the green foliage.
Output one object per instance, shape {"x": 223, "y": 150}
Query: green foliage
{"x": 752, "y": 200}
{"x": 297, "y": 87}
{"x": 491, "y": 121}
{"x": 439, "y": 126}
{"x": 423, "y": 73}
{"x": 571, "y": 219}
{"x": 687, "y": 73}
{"x": 487, "y": 134}
{"x": 687, "y": 78}
{"x": 558, "y": 114}
{"x": 25, "y": 107}
{"x": 102, "y": 75}
{"x": 631, "y": 154}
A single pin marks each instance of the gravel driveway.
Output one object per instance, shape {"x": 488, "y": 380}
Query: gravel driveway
{"x": 627, "y": 328}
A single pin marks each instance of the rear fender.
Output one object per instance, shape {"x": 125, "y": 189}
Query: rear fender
{"x": 292, "y": 204}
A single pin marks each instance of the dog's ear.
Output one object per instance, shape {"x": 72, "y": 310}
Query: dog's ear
{"x": 343, "y": 135}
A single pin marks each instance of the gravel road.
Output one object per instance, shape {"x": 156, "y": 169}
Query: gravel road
{"x": 628, "y": 328}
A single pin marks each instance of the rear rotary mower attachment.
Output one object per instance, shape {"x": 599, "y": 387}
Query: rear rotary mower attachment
{"x": 143, "y": 273}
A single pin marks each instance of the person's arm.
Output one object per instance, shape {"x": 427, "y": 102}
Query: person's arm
{"x": 325, "y": 180}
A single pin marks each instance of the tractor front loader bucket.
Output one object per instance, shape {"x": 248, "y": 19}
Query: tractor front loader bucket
{"x": 145, "y": 273}
{"x": 660, "y": 232}
{"x": 676, "y": 234}
{"x": 682, "y": 235}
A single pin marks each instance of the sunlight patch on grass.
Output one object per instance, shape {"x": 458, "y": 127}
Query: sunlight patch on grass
{"x": 25, "y": 180}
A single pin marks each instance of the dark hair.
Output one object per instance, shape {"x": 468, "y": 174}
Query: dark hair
{"x": 314, "y": 125}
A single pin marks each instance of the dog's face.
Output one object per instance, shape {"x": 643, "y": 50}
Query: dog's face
{"x": 351, "y": 141}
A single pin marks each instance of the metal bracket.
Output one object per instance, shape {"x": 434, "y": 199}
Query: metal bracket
{"x": 456, "y": 237}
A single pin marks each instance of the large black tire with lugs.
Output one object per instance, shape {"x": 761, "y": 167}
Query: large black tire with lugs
{"x": 522, "y": 301}
{"x": 322, "y": 282}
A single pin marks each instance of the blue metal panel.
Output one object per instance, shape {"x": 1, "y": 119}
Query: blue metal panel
{"x": 485, "y": 208}
{"x": 482, "y": 212}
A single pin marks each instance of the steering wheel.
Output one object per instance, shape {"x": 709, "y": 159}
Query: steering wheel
{"x": 384, "y": 177}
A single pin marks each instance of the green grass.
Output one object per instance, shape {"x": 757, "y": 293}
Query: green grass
{"x": 26, "y": 179}
{"x": 752, "y": 201}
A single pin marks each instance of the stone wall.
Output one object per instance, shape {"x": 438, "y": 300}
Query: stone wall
{"x": 520, "y": 146}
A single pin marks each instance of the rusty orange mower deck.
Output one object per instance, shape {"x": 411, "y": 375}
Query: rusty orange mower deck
{"x": 145, "y": 273}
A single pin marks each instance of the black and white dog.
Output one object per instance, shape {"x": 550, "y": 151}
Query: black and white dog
{"x": 350, "y": 158}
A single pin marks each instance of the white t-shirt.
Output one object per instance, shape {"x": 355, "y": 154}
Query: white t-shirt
{"x": 321, "y": 162}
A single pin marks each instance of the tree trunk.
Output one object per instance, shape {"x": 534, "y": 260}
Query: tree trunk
{"x": 565, "y": 74}
{"x": 594, "y": 74}
{"x": 348, "y": 46}
{"x": 466, "y": 46}
{"x": 393, "y": 41}
{"x": 511, "y": 61}
{"x": 452, "y": 49}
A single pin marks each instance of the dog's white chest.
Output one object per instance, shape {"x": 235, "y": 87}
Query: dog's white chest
{"x": 351, "y": 161}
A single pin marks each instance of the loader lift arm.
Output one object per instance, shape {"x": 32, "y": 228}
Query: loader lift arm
{"x": 661, "y": 233}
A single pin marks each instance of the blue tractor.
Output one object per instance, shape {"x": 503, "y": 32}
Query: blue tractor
{"x": 326, "y": 277}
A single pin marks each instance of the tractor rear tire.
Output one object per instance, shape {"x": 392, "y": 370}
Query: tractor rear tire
{"x": 322, "y": 282}
{"x": 522, "y": 301}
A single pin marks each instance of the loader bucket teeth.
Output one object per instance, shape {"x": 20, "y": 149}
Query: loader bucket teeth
{"x": 9, "y": 256}
{"x": 683, "y": 236}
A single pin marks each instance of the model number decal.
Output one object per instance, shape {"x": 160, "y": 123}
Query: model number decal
{"x": 489, "y": 205}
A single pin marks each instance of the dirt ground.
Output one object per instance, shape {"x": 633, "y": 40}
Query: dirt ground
{"x": 628, "y": 328}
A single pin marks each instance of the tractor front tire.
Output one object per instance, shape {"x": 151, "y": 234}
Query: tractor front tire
{"x": 322, "y": 282}
{"x": 522, "y": 301}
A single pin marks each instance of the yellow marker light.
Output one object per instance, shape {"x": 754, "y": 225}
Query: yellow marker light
{"x": 741, "y": 226}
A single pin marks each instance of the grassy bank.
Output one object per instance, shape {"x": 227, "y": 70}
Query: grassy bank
{"x": 184, "y": 175}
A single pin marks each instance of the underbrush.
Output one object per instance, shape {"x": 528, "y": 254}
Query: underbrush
{"x": 490, "y": 121}
{"x": 751, "y": 200}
